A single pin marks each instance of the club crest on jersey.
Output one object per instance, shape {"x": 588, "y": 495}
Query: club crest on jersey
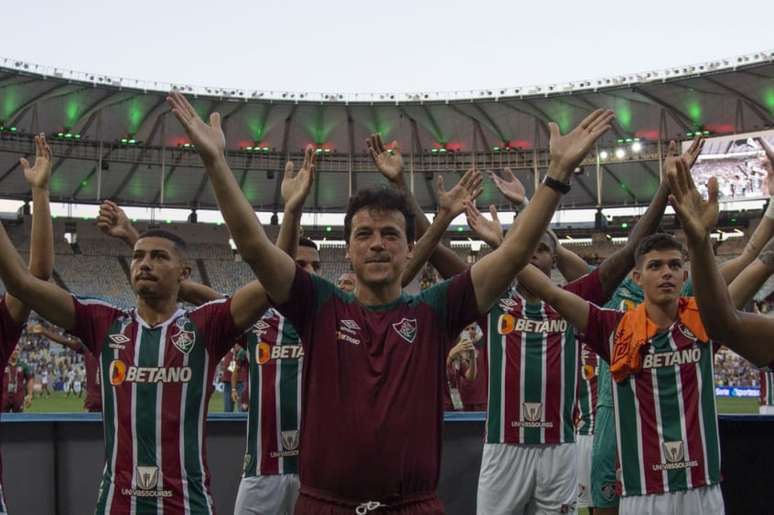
{"x": 147, "y": 477}
{"x": 608, "y": 491}
{"x": 183, "y": 335}
{"x": 674, "y": 452}
{"x": 407, "y": 329}
{"x": 687, "y": 332}
{"x": 290, "y": 440}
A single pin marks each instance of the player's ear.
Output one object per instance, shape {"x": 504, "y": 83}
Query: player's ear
{"x": 637, "y": 275}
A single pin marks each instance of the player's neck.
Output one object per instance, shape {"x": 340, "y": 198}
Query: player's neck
{"x": 663, "y": 315}
{"x": 155, "y": 311}
{"x": 377, "y": 295}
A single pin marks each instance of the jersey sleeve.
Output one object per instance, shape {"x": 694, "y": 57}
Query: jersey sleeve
{"x": 454, "y": 301}
{"x": 10, "y": 331}
{"x": 93, "y": 319}
{"x": 602, "y": 323}
{"x": 217, "y": 326}
{"x": 589, "y": 288}
{"x": 307, "y": 293}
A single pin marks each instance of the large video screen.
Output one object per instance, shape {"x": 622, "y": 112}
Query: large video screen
{"x": 738, "y": 163}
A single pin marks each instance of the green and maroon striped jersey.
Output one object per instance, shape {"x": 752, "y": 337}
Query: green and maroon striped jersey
{"x": 10, "y": 332}
{"x": 587, "y": 392}
{"x": 274, "y": 356}
{"x": 533, "y": 359}
{"x": 767, "y": 387}
{"x": 155, "y": 391}
{"x": 666, "y": 419}
{"x": 371, "y": 401}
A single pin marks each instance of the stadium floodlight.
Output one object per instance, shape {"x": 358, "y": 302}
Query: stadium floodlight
{"x": 636, "y": 147}
{"x": 604, "y": 155}
{"x": 620, "y": 153}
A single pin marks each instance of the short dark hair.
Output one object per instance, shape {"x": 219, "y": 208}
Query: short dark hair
{"x": 303, "y": 241}
{"x": 380, "y": 199}
{"x": 178, "y": 242}
{"x": 658, "y": 241}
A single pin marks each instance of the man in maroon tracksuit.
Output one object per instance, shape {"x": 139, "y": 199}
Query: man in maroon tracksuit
{"x": 374, "y": 360}
{"x": 17, "y": 385}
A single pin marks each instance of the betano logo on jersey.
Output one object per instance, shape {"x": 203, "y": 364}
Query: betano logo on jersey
{"x": 265, "y": 352}
{"x": 120, "y": 373}
{"x": 674, "y": 454}
{"x": 670, "y": 359}
{"x": 507, "y": 324}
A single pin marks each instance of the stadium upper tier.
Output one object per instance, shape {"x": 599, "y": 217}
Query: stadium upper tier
{"x": 115, "y": 138}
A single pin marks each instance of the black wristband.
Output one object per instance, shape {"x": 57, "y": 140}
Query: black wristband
{"x": 561, "y": 187}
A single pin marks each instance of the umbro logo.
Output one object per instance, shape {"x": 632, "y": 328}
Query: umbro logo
{"x": 351, "y": 324}
{"x": 118, "y": 341}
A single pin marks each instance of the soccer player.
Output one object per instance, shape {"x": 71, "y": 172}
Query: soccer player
{"x": 13, "y": 312}
{"x": 374, "y": 360}
{"x": 748, "y": 334}
{"x": 157, "y": 361}
{"x": 18, "y": 383}
{"x": 231, "y": 385}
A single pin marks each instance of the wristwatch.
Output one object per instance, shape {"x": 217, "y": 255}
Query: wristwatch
{"x": 561, "y": 187}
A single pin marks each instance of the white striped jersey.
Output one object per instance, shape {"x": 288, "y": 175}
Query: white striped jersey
{"x": 533, "y": 359}
{"x": 665, "y": 415}
{"x": 587, "y": 391}
{"x": 155, "y": 391}
{"x": 274, "y": 354}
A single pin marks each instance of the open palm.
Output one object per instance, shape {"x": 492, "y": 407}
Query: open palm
{"x": 697, "y": 216}
{"x": 208, "y": 139}
{"x": 510, "y": 186}
{"x": 39, "y": 173}
{"x": 467, "y": 189}
{"x": 568, "y": 151}
{"x": 389, "y": 162}
{"x": 296, "y": 186}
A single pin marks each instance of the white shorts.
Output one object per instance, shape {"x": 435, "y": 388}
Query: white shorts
{"x": 707, "y": 500}
{"x": 267, "y": 495}
{"x": 766, "y": 410}
{"x": 534, "y": 479}
{"x": 585, "y": 445}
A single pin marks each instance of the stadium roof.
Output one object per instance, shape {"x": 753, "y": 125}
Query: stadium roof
{"x": 115, "y": 138}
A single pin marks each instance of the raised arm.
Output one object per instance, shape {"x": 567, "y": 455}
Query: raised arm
{"x": 762, "y": 233}
{"x": 572, "y": 307}
{"x": 41, "y": 261}
{"x": 749, "y": 335}
{"x": 752, "y": 278}
{"x": 273, "y": 268}
{"x": 70, "y": 342}
{"x": 450, "y": 204}
{"x": 570, "y": 265}
{"x": 492, "y": 274}
{"x": 295, "y": 189}
{"x": 47, "y": 299}
{"x": 390, "y": 164}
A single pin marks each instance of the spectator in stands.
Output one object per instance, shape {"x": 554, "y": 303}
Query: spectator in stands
{"x": 231, "y": 393}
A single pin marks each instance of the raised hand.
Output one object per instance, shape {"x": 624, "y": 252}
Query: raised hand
{"x": 389, "y": 163}
{"x": 467, "y": 189}
{"x": 297, "y": 185}
{"x": 490, "y": 231}
{"x": 113, "y": 222}
{"x": 209, "y": 140}
{"x": 568, "y": 151}
{"x": 510, "y": 186}
{"x": 39, "y": 173}
{"x": 697, "y": 216}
